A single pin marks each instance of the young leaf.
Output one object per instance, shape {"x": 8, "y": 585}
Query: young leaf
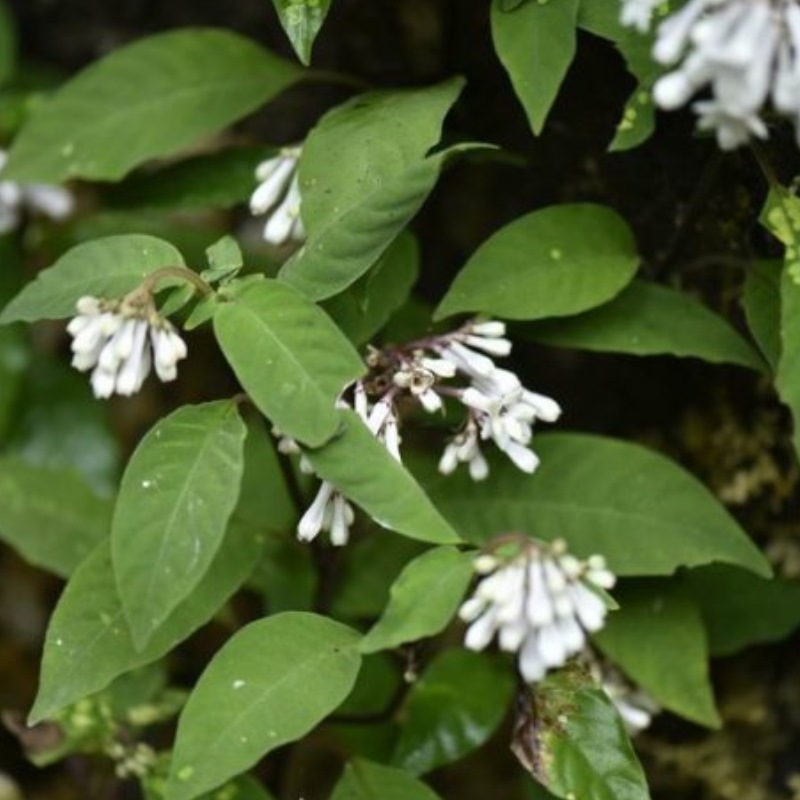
{"x": 663, "y": 613}
{"x": 177, "y": 495}
{"x": 642, "y": 320}
{"x": 363, "y": 309}
{"x": 536, "y": 43}
{"x": 88, "y": 641}
{"x": 538, "y": 266}
{"x": 423, "y": 599}
{"x": 148, "y": 99}
{"x": 289, "y": 357}
{"x": 640, "y": 510}
{"x": 359, "y": 466}
{"x": 356, "y": 204}
{"x": 363, "y": 780}
{"x": 575, "y": 744}
{"x": 302, "y": 21}
{"x": 453, "y": 709}
{"x": 108, "y": 267}
{"x": 224, "y": 259}
{"x": 762, "y": 307}
{"x": 740, "y": 609}
{"x": 270, "y": 684}
{"x": 50, "y": 516}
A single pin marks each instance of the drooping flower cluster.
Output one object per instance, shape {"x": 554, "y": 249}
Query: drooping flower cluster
{"x": 498, "y": 409}
{"x": 747, "y": 52}
{"x": 120, "y": 340}
{"x": 540, "y": 603}
{"x": 54, "y": 202}
{"x": 278, "y": 196}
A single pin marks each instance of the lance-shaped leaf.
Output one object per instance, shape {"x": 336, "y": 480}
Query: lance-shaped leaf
{"x": 536, "y": 44}
{"x": 574, "y": 743}
{"x": 364, "y": 780}
{"x": 356, "y": 204}
{"x": 423, "y": 599}
{"x": 640, "y": 510}
{"x": 108, "y": 267}
{"x": 662, "y": 613}
{"x": 270, "y": 684}
{"x": 359, "y": 466}
{"x": 148, "y": 99}
{"x": 302, "y": 21}
{"x": 49, "y": 515}
{"x": 88, "y": 641}
{"x": 177, "y": 495}
{"x": 647, "y": 319}
{"x": 289, "y": 357}
{"x": 453, "y": 709}
{"x": 552, "y": 263}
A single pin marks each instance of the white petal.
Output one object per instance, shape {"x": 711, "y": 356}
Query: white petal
{"x": 478, "y": 466}
{"x": 481, "y": 632}
{"x": 495, "y": 347}
{"x": 273, "y": 187}
{"x": 530, "y": 663}
{"x": 449, "y": 460}
{"x": 311, "y": 522}
{"x": 340, "y": 530}
{"x": 430, "y": 401}
{"x": 551, "y": 646}
{"x": 55, "y": 202}
{"x": 590, "y": 609}
{"x": 103, "y": 383}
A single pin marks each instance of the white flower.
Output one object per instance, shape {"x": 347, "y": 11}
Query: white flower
{"x": 746, "y": 52}
{"x": 54, "y": 202}
{"x": 634, "y": 705}
{"x": 638, "y": 13}
{"x": 330, "y": 511}
{"x": 464, "y": 448}
{"x": 278, "y": 196}
{"x": 539, "y": 604}
{"x": 120, "y": 341}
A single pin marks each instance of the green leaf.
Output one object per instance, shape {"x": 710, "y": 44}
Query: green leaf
{"x": 88, "y": 641}
{"x": 50, "y": 516}
{"x": 552, "y": 263}
{"x": 647, "y": 319}
{"x": 740, "y": 609}
{"x": 289, "y": 357}
{"x": 441, "y": 576}
{"x": 224, "y": 260}
{"x": 363, "y": 309}
{"x": 579, "y": 743}
{"x": 217, "y": 180}
{"x": 662, "y": 613}
{"x": 360, "y": 467}
{"x": 536, "y": 44}
{"x": 177, "y": 494}
{"x": 453, "y": 709}
{"x": 149, "y": 99}
{"x": 302, "y": 20}
{"x": 762, "y": 307}
{"x": 634, "y": 506}
{"x": 270, "y": 684}
{"x": 356, "y": 204}
{"x": 787, "y": 379}
{"x": 108, "y": 267}
{"x": 363, "y": 780}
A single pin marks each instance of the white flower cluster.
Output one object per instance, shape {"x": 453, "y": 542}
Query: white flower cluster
{"x": 499, "y": 408}
{"x": 278, "y": 196}
{"x": 746, "y": 51}
{"x": 540, "y": 604}
{"x": 119, "y": 340}
{"x": 54, "y": 202}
